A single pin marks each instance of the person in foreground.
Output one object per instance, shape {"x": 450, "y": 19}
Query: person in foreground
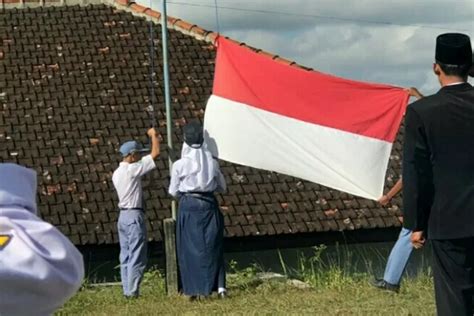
{"x": 131, "y": 222}
{"x": 438, "y": 175}
{"x": 401, "y": 251}
{"x": 40, "y": 269}
{"x": 200, "y": 225}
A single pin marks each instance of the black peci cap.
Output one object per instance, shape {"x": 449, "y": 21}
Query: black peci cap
{"x": 453, "y": 49}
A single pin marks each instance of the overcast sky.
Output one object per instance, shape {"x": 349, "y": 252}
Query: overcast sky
{"x": 336, "y": 36}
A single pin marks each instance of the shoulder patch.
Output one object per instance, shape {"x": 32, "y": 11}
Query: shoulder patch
{"x": 4, "y": 241}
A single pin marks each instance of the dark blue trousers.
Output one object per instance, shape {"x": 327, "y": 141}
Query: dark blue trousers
{"x": 200, "y": 237}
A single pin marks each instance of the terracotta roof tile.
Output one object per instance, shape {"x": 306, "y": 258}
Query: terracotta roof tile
{"x": 138, "y": 8}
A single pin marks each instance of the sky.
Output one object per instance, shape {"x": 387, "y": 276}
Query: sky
{"x": 384, "y": 41}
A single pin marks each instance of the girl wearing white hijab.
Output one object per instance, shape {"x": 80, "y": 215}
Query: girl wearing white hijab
{"x": 200, "y": 225}
{"x": 40, "y": 269}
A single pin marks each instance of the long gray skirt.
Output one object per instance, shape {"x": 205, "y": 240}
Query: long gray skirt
{"x": 199, "y": 237}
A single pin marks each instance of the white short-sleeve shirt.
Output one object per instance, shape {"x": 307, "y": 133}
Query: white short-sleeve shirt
{"x": 127, "y": 181}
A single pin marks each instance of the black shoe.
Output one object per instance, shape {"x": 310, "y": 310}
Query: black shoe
{"x": 222, "y": 295}
{"x": 384, "y": 285}
{"x": 130, "y": 297}
{"x": 192, "y": 298}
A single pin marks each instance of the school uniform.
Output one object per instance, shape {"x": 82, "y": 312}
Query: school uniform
{"x": 200, "y": 225}
{"x": 131, "y": 222}
{"x": 40, "y": 269}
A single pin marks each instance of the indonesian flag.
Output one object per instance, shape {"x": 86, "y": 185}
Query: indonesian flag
{"x": 333, "y": 131}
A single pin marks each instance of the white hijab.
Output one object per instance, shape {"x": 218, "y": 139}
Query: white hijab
{"x": 198, "y": 167}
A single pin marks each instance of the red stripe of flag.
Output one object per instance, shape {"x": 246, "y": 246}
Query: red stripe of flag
{"x": 372, "y": 110}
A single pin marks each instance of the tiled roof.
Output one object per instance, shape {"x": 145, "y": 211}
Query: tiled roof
{"x": 74, "y": 84}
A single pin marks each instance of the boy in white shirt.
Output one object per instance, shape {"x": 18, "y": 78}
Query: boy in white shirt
{"x": 131, "y": 222}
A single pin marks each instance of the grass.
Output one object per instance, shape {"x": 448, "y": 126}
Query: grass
{"x": 335, "y": 290}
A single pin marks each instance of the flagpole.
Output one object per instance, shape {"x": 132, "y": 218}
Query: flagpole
{"x": 169, "y": 224}
{"x": 169, "y": 124}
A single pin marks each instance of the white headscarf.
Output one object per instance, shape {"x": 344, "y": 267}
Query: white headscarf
{"x": 40, "y": 269}
{"x": 199, "y": 169}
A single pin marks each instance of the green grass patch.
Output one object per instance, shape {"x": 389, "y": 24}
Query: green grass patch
{"x": 335, "y": 290}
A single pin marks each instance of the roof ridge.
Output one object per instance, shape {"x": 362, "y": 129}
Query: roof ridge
{"x": 136, "y": 9}
{"x": 173, "y": 23}
{"x": 188, "y": 28}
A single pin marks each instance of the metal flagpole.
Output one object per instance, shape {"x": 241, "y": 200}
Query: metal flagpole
{"x": 169, "y": 131}
{"x": 169, "y": 224}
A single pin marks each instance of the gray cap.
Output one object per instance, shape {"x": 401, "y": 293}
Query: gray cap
{"x": 131, "y": 147}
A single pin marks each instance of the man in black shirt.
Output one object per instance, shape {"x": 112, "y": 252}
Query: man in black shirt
{"x": 438, "y": 175}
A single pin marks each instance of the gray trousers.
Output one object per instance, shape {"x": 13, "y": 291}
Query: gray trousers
{"x": 133, "y": 249}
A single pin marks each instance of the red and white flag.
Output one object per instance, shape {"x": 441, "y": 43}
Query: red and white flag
{"x": 310, "y": 125}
